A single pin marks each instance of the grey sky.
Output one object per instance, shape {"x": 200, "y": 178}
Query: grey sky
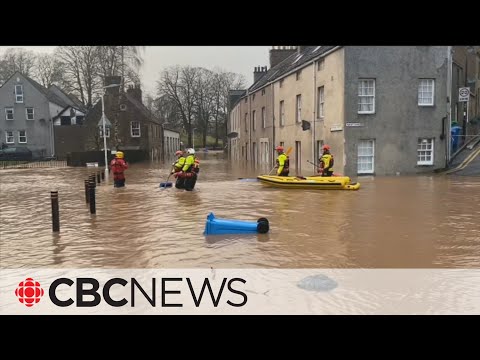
{"x": 238, "y": 59}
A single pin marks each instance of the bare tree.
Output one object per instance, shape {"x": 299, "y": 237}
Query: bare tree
{"x": 224, "y": 81}
{"x": 16, "y": 59}
{"x": 204, "y": 101}
{"x": 49, "y": 70}
{"x": 177, "y": 84}
{"x": 81, "y": 69}
{"x": 124, "y": 61}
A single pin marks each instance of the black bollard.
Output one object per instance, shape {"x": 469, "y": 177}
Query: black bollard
{"x": 87, "y": 193}
{"x": 103, "y": 175}
{"x": 91, "y": 189}
{"x": 55, "y": 211}
{"x": 92, "y": 178}
{"x": 98, "y": 178}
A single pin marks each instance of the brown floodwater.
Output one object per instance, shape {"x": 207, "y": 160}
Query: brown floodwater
{"x": 391, "y": 222}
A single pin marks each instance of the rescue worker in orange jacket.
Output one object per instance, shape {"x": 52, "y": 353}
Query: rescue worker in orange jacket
{"x": 118, "y": 167}
{"x": 326, "y": 162}
{"x": 188, "y": 171}
{"x": 282, "y": 162}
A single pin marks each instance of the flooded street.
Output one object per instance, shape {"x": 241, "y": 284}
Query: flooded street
{"x": 391, "y": 222}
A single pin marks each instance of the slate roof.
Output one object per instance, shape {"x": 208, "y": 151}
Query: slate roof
{"x": 294, "y": 61}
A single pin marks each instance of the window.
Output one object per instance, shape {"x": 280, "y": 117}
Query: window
{"x": 282, "y": 113}
{"x": 107, "y": 131}
{"x": 321, "y": 64}
{"x": 264, "y": 120}
{"x": 299, "y": 74}
{"x": 263, "y": 92}
{"x": 281, "y": 83}
{"x": 246, "y": 122}
{"x": 282, "y": 144}
{"x": 321, "y": 101}
{"x": 9, "y": 113}
{"x": 254, "y": 120}
{"x": 22, "y": 136}
{"x": 65, "y": 120}
{"x": 253, "y": 97}
{"x": 9, "y": 139}
{"x": 298, "y": 115}
{"x": 135, "y": 128}
{"x": 425, "y": 152}
{"x": 246, "y": 100}
{"x": 426, "y": 91}
{"x": 19, "y": 93}
{"x": 366, "y": 96}
{"x": 30, "y": 113}
{"x": 365, "y": 157}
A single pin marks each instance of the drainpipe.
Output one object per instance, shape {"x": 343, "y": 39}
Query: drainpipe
{"x": 272, "y": 151}
{"x": 449, "y": 106}
{"x": 52, "y": 136}
{"x": 314, "y": 160}
{"x": 250, "y": 127}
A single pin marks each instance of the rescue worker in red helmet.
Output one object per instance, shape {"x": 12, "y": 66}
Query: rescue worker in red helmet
{"x": 326, "y": 162}
{"x": 282, "y": 162}
{"x": 118, "y": 167}
{"x": 177, "y": 167}
{"x": 188, "y": 172}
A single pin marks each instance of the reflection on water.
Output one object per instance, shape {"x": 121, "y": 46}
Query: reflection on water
{"x": 391, "y": 222}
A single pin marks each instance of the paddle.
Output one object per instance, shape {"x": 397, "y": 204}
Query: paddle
{"x": 166, "y": 183}
{"x": 289, "y": 150}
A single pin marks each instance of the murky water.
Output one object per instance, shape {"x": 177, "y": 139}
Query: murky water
{"x": 391, "y": 222}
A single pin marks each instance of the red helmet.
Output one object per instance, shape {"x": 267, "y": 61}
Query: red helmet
{"x": 326, "y": 147}
{"x": 179, "y": 152}
{"x": 279, "y": 148}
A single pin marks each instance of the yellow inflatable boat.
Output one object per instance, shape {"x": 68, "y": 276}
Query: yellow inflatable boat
{"x": 309, "y": 182}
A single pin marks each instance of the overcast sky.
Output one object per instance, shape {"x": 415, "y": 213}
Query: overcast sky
{"x": 238, "y": 59}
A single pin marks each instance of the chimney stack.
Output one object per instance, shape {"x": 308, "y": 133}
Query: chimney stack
{"x": 258, "y": 72}
{"x": 280, "y": 53}
{"x": 135, "y": 92}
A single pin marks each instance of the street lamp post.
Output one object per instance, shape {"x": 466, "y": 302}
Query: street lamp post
{"x": 193, "y": 138}
{"x": 104, "y": 128}
{"x": 469, "y": 50}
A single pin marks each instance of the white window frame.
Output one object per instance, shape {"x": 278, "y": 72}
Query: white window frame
{"x": 321, "y": 102}
{"x": 372, "y": 156}
{"x": 33, "y": 113}
{"x": 11, "y": 136}
{"x": 19, "y": 97}
{"x": 20, "y": 136}
{"x": 298, "y": 108}
{"x": 136, "y": 128}
{"x": 254, "y": 120}
{"x": 264, "y": 118}
{"x": 107, "y": 131}
{"x": 246, "y": 122}
{"x": 424, "y": 87}
{"x": 362, "y": 95}
{"x": 6, "y": 114}
{"x": 428, "y": 152}
{"x": 282, "y": 113}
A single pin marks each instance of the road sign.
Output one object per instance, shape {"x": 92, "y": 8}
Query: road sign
{"x": 463, "y": 94}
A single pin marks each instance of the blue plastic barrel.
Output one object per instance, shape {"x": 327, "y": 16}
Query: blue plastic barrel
{"x": 215, "y": 226}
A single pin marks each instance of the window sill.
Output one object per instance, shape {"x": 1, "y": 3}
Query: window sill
{"x": 366, "y": 113}
{"x": 424, "y": 165}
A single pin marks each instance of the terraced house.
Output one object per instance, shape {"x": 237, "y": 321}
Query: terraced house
{"x": 383, "y": 109}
